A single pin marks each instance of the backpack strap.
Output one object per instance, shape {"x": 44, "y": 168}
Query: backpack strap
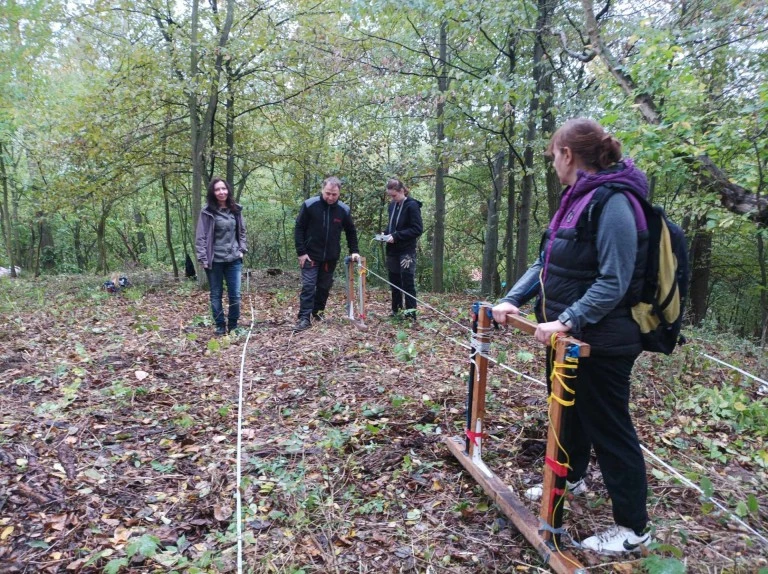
{"x": 600, "y": 197}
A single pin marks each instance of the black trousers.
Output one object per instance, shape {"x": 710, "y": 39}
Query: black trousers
{"x": 600, "y": 419}
{"x": 316, "y": 283}
{"x": 402, "y": 274}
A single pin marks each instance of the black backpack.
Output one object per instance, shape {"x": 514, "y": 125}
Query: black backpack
{"x": 659, "y": 312}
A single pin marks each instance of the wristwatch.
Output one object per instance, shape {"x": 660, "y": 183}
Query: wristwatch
{"x": 565, "y": 319}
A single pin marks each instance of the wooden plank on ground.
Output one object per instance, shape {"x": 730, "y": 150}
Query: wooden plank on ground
{"x": 513, "y": 508}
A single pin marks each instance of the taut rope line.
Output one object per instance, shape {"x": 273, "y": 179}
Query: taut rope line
{"x": 655, "y": 458}
{"x": 424, "y": 303}
{"x": 742, "y": 371}
{"x": 238, "y": 467}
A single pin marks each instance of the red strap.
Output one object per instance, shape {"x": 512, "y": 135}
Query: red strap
{"x": 557, "y": 467}
{"x": 554, "y": 496}
{"x": 473, "y": 436}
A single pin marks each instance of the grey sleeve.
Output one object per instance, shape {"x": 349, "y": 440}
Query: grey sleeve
{"x": 526, "y": 287}
{"x": 616, "y": 253}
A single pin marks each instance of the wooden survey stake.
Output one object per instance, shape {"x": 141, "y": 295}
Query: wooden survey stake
{"x": 468, "y": 450}
{"x": 356, "y": 291}
{"x": 551, "y": 510}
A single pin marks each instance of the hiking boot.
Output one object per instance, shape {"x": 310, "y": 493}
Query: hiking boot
{"x": 574, "y": 488}
{"x": 617, "y": 540}
{"x": 221, "y": 330}
{"x": 410, "y": 314}
{"x": 302, "y": 325}
{"x": 318, "y": 316}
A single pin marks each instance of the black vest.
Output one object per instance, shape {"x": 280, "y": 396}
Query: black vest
{"x": 572, "y": 269}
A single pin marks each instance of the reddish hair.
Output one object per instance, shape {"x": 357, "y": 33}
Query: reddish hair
{"x": 588, "y": 142}
{"x": 398, "y": 185}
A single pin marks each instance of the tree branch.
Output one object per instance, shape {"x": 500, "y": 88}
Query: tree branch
{"x": 733, "y": 197}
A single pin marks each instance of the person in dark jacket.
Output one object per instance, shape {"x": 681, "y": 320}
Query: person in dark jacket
{"x": 317, "y": 236}
{"x": 401, "y": 236}
{"x": 585, "y": 284}
{"x": 220, "y": 243}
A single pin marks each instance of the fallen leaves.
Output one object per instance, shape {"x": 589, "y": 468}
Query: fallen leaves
{"x": 130, "y": 464}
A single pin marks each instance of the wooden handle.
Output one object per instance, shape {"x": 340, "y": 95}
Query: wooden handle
{"x": 527, "y": 326}
{"x": 520, "y": 322}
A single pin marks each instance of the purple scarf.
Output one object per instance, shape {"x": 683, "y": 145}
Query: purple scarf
{"x": 577, "y": 196}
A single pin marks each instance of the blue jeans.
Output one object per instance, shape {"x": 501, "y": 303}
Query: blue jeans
{"x": 218, "y": 273}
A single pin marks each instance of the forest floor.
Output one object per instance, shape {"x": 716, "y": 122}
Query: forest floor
{"x": 119, "y": 421}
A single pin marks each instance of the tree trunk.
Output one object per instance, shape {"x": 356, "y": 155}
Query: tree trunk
{"x": 82, "y": 260}
{"x": 47, "y": 252}
{"x": 101, "y": 244}
{"x": 5, "y": 215}
{"x": 141, "y": 237}
{"x": 35, "y": 252}
{"x": 524, "y": 209}
{"x": 510, "y": 242}
{"x": 44, "y": 255}
{"x": 546, "y": 95}
{"x": 194, "y": 132}
{"x": 526, "y": 192}
{"x": 701, "y": 256}
{"x": 438, "y": 238}
{"x": 168, "y": 227}
{"x": 761, "y": 260}
{"x": 511, "y": 212}
{"x": 230, "y": 127}
{"x": 200, "y": 128}
{"x": 490, "y": 248}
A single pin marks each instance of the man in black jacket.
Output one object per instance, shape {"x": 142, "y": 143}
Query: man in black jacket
{"x": 318, "y": 246}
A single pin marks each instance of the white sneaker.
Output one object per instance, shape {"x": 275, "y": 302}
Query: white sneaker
{"x": 575, "y": 488}
{"x": 617, "y": 540}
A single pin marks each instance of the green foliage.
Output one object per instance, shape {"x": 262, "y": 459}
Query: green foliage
{"x": 114, "y": 565}
{"x": 727, "y": 404}
{"x": 657, "y": 565}
{"x": 398, "y": 400}
{"x": 184, "y": 420}
{"x": 91, "y": 157}
{"x": 373, "y": 411}
{"x": 405, "y": 350}
{"x": 163, "y": 468}
{"x": 146, "y": 545}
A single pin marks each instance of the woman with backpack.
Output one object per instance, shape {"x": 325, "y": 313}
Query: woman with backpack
{"x": 220, "y": 244}
{"x": 585, "y": 284}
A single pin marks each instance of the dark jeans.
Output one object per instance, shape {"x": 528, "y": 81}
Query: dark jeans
{"x": 218, "y": 273}
{"x": 402, "y": 275}
{"x": 601, "y": 419}
{"x": 316, "y": 282}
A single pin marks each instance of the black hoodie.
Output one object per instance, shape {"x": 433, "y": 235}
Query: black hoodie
{"x": 404, "y": 226}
